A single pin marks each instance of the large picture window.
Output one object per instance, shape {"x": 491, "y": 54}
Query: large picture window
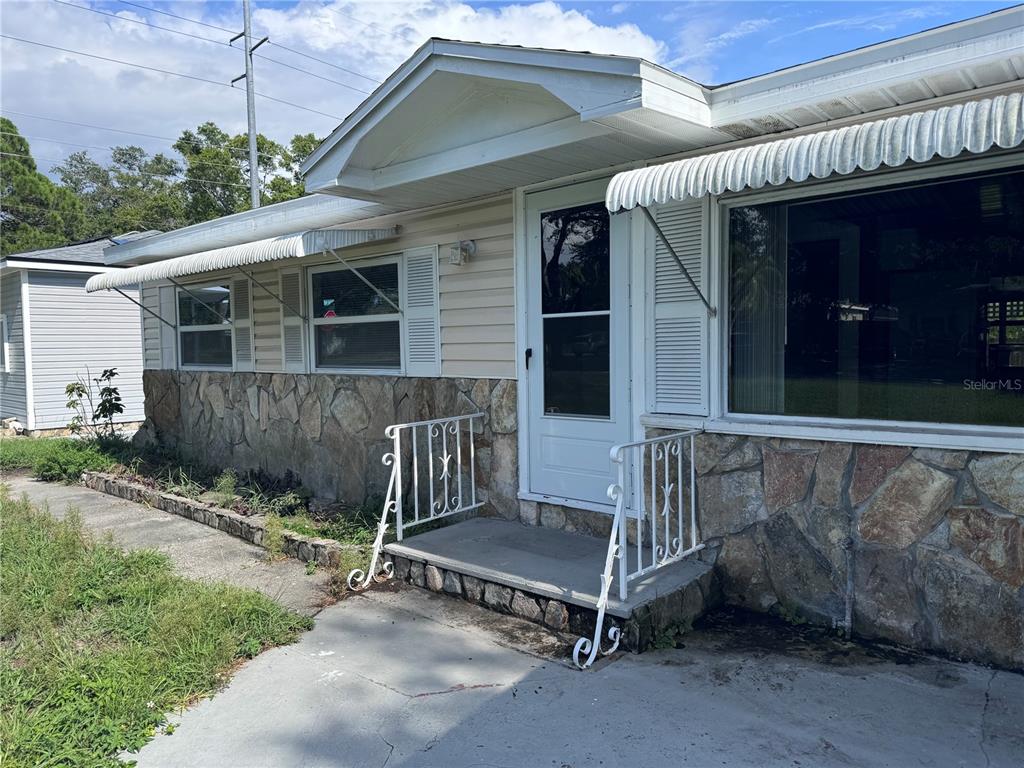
{"x": 902, "y": 305}
{"x": 204, "y": 326}
{"x": 354, "y": 325}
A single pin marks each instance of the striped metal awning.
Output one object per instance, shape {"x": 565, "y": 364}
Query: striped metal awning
{"x": 974, "y": 126}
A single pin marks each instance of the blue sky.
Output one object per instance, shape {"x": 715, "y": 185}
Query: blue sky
{"x": 356, "y": 44}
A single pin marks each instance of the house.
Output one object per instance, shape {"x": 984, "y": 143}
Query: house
{"x": 53, "y": 333}
{"x": 663, "y": 344}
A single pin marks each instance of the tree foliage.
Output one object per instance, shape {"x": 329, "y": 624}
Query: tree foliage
{"x": 135, "y": 190}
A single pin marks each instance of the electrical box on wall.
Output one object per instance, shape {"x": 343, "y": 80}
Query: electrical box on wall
{"x": 461, "y": 252}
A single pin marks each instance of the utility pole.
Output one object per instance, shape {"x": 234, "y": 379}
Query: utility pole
{"x": 250, "y": 100}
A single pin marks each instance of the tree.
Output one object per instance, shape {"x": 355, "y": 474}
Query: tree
{"x": 34, "y": 212}
{"x": 135, "y": 191}
{"x": 281, "y": 188}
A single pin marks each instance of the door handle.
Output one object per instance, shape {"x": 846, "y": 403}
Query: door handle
{"x": 529, "y": 354}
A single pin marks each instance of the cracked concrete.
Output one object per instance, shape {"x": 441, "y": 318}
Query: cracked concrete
{"x": 402, "y": 677}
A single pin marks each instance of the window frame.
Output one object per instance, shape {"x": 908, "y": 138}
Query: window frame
{"x": 5, "y": 344}
{"x": 947, "y": 435}
{"x": 208, "y": 327}
{"x": 374, "y": 261}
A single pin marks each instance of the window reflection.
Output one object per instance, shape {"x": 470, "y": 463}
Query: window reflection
{"x": 574, "y": 259}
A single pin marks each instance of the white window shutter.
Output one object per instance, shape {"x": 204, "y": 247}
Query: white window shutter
{"x": 167, "y": 308}
{"x": 423, "y": 338}
{"x": 680, "y": 322}
{"x": 293, "y": 335}
{"x": 241, "y": 321}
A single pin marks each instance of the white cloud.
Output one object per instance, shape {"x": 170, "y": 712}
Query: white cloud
{"x": 55, "y": 84}
{"x": 702, "y": 38}
{"x": 618, "y": 8}
{"x": 880, "y": 22}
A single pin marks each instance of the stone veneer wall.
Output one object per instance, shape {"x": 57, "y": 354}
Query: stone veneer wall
{"x": 935, "y": 538}
{"x": 328, "y": 430}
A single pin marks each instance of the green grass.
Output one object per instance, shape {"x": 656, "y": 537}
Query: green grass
{"x": 97, "y": 644}
{"x": 58, "y": 458}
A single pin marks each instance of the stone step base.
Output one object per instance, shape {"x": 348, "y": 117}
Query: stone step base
{"x": 649, "y": 624}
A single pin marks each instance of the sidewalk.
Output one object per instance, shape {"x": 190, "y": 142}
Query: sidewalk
{"x": 198, "y": 551}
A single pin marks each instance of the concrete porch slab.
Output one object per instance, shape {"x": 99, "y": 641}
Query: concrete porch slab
{"x": 554, "y": 564}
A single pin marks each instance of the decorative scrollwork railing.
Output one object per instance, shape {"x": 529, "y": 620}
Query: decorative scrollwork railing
{"x": 652, "y": 527}
{"x": 433, "y": 475}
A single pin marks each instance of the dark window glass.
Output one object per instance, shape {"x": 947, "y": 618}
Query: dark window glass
{"x": 359, "y": 345}
{"x": 343, "y": 294}
{"x": 574, "y": 259}
{"x": 903, "y": 304}
{"x": 576, "y": 371}
{"x": 206, "y": 348}
{"x": 217, "y": 299}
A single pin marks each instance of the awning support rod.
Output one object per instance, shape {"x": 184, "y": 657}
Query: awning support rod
{"x": 712, "y": 312}
{"x": 186, "y": 290}
{"x": 146, "y": 309}
{"x": 273, "y": 295}
{"x": 370, "y": 285}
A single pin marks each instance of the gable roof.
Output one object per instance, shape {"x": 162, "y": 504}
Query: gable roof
{"x": 86, "y": 252}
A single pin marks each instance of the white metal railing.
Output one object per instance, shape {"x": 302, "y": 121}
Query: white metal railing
{"x": 433, "y": 475}
{"x": 658, "y": 510}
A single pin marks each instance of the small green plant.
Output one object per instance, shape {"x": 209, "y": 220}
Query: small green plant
{"x": 94, "y": 411}
{"x": 273, "y": 537}
{"x": 180, "y": 483}
{"x": 66, "y": 460}
{"x": 225, "y": 486}
{"x": 310, "y": 567}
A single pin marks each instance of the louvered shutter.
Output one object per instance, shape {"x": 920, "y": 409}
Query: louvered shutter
{"x": 293, "y": 335}
{"x": 167, "y": 308}
{"x": 423, "y": 342}
{"x": 241, "y": 321}
{"x": 680, "y": 322}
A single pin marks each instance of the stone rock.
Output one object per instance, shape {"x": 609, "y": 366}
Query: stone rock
{"x": 943, "y": 459}
{"x": 526, "y": 607}
{"x": 504, "y": 416}
{"x": 282, "y": 384}
{"x": 827, "y": 529}
{"x": 746, "y": 455}
{"x": 729, "y": 503}
{"x": 452, "y": 583}
{"x": 417, "y": 574}
{"x": 587, "y": 522}
{"x": 552, "y": 516}
{"x": 434, "y": 578}
{"x": 288, "y": 408}
{"x": 474, "y": 588}
{"x": 803, "y": 581}
{"x": 907, "y": 506}
{"x": 744, "y": 580}
{"x": 310, "y": 418}
{"x": 529, "y": 513}
{"x": 995, "y": 542}
{"x": 829, "y": 473}
{"x": 887, "y": 601}
{"x": 264, "y": 410}
{"x": 556, "y": 616}
{"x": 712, "y": 448}
{"x": 787, "y": 476}
{"x": 480, "y": 394}
{"x": 874, "y": 463}
{"x": 972, "y": 615}
{"x": 497, "y": 596}
{"x": 215, "y": 397}
{"x": 1001, "y": 478}
{"x": 348, "y": 410}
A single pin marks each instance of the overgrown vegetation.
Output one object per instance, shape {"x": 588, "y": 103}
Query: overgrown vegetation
{"x": 94, "y": 409}
{"x": 59, "y": 459}
{"x": 98, "y": 643}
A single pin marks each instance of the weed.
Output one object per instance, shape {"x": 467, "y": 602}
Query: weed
{"x": 310, "y": 567}
{"x": 273, "y": 536}
{"x": 99, "y": 643}
{"x": 225, "y": 487}
{"x": 180, "y": 483}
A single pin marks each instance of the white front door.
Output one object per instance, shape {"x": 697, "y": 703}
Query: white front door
{"x": 577, "y": 339}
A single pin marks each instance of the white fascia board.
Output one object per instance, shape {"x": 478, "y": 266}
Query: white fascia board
{"x": 942, "y": 50}
{"x": 53, "y": 266}
{"x": 304, "y": 213}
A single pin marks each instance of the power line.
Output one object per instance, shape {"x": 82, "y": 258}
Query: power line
{"x": 114, "y": 130}
{"x": 213, "y": 42}
{"x": 161, "y": 71}
{"x": 141, "y": 173}
{"x": 373, "y": 25}
{"x": 271, "y": 42}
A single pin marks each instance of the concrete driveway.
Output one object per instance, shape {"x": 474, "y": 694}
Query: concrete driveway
{"x": 400, "y": 677}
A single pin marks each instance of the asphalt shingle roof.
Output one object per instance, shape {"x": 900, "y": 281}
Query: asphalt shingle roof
{"x": 87, "y": 252}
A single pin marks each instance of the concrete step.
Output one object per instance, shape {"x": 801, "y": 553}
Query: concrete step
{"x": 553, "y": 578}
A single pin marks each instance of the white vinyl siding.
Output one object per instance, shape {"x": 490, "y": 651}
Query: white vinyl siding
{"x": 79, "y": 334}
{"x": 475, "y": 301}
{"x": 678, "y": 321}
{"x": 12, "y": 379}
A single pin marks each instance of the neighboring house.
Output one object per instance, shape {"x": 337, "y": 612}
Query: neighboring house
{"x": 821, "y": 270}
{"x": 54, "y": 332}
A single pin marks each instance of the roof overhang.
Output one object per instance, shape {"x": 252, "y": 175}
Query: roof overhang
{"x": 13, "y": 262}
{"x": 293, "y": 246}
{"x": 974, "y": 127}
